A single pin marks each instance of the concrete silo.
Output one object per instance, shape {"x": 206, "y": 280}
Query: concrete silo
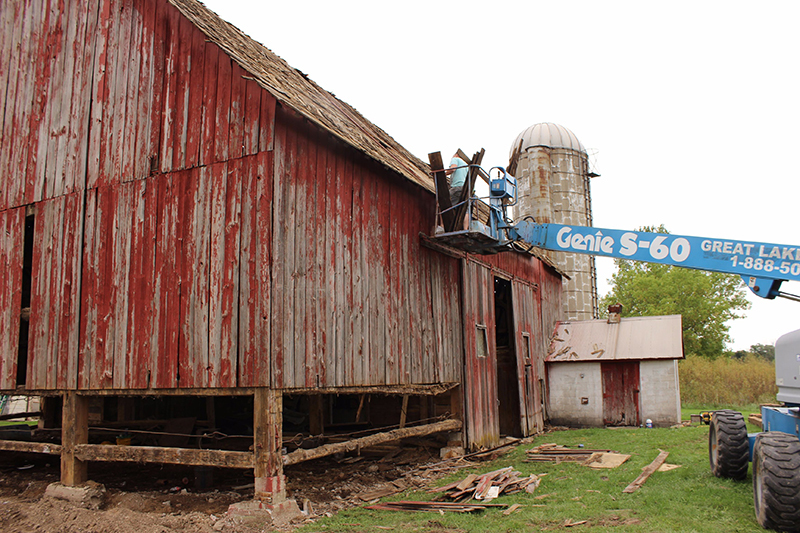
{"x": 552, "y": 171}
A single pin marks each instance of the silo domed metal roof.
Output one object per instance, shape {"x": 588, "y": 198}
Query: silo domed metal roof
{"x": 549, "y": 135}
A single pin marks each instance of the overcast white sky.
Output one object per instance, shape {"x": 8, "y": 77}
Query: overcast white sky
{"x": 690, "y": 110}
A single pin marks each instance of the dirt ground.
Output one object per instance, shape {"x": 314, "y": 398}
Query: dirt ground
{"x": 164, "y": 499}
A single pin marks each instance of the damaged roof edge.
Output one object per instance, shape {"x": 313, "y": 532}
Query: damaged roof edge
{"x": 298, "y": 92}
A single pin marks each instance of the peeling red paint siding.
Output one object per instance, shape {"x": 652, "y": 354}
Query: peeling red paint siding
{"x": 480, "y": 357}
{"x": 12, "y": 233}
{"x": 353, "y": 302}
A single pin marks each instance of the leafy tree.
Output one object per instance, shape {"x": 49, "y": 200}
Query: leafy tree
{"x": 764, "y": 351}
{"x": 706, "y": 300}
{"x": 738, "y": 354}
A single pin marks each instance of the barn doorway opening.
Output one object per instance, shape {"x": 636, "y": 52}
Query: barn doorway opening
{"x": 27, "y": 277}
{"x": 507, "y": 378}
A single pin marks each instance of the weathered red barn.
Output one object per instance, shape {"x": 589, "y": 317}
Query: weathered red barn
{"x": 186, "y": 216}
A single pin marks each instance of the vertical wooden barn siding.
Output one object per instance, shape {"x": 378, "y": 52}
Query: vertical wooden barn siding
{"x": 165, "y": 255}
{"x": 356, "y": 299}
{"x": 536, "y": 296}
{"x": 12, "y": 227}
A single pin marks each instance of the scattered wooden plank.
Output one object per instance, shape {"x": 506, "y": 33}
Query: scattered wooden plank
{"x": 466, "y": 482}
{"x": 570, "y": 523}
{"x": 434, "y": 506}
{"x": 646, "y": 473}
{"x": 511, "y": 509}
{"x": 606, "y": 460}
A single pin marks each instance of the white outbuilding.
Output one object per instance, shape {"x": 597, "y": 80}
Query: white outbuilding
{"x": 615, "y": 372}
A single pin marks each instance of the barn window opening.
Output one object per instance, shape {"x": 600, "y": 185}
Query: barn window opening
{"x": 24, "y": 322}
{"x": 482, "y": 342}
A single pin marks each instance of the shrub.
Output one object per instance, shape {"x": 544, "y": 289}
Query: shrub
{"x": 724, "y": 382}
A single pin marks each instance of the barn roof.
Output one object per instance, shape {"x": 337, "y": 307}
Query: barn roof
{"x": 633, "y": 338}
{"x": 295, "y": 90}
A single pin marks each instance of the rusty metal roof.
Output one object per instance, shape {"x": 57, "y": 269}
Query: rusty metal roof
{"x": 295, "y": 90}
{"x": 651, "y": 337}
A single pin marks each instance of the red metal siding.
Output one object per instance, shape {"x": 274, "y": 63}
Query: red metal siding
{"x": 12, "y": 231}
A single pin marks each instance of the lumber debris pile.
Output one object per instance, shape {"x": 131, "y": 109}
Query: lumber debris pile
{"x": 487, "y": 487}
{"x": 584, "y": 456}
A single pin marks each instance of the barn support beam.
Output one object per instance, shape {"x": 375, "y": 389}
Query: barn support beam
{"x": 74, "y": 431}
{"x": 267, "y": 443}
{"x": 269, "y": 503}
{"x": 316, "y": 415}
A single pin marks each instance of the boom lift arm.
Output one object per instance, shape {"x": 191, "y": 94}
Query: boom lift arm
{"x": 762, "y": 266}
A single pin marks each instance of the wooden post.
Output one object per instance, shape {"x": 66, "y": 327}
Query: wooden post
{"x": 74, "y": 431}
{"x": 316, "y": 416}
{"x": 403, "y": 411}
{"x": 270, "y": 486}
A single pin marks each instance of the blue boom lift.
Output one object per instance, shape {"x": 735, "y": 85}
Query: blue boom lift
{"x": 483, "y": 226}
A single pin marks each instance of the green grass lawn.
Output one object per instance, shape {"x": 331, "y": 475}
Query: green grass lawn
{"x": 688, "y": 498}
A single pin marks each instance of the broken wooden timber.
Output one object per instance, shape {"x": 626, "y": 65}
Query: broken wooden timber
{"x": 15, "y": 416}
{"x": 442, "y": 188}
{"x": 30, "y": 447}
{"x": 434, "y": 506}
{"x": 153, "y": 454}
{"x": 647, "y": 472}
{"x": 300, "y": 455}
{"x": 466, "y": 191}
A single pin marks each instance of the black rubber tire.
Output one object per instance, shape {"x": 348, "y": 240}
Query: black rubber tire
{"x": 776, "y": 481}
{"x": 728, "y": 449}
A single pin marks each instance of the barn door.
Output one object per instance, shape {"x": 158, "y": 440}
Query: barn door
{"x": 527, "y": 368}
{"x": 620, "y": 393}
{"x": 480, "y": 358}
